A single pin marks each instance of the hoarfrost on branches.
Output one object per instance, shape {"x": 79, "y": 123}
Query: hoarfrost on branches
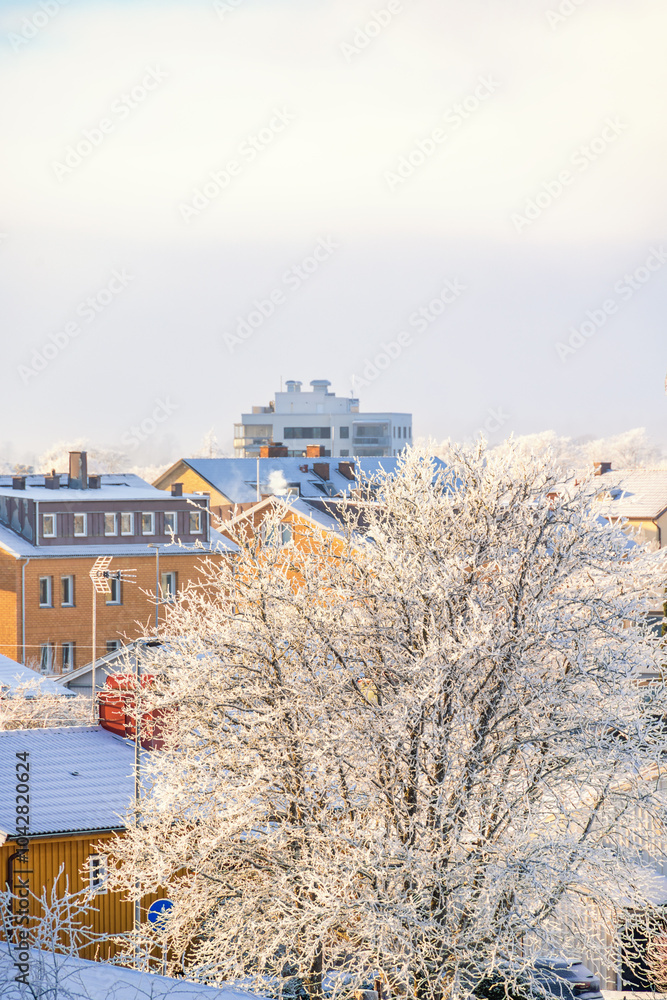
{"x": 420, "y": 745}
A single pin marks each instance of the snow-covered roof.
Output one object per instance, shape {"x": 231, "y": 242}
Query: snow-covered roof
{"x": 79, "y": 979}
{"x": 236, "y": 478}
{"x": 14, "y": 675}
{"x": 641, "y": 494}
{"x": 18, "y": 547}
{"x": 125, "y": 486}
{"x": 80, "y": 777}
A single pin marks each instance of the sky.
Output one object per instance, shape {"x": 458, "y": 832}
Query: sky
{"x": 454, "y": 208}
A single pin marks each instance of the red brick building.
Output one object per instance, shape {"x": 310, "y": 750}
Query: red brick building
{"x": 52, "y": 531}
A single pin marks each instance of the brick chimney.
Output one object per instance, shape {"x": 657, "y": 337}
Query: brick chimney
{"x": 602, "y": 467}
{"x": 346, "y": 469}
{"x": 315, "y": 451}
{"x": 274, "y": 450}
{"x": 321, "y": 469}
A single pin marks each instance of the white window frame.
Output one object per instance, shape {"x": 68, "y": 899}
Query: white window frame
{"x": 174, "y": 514}
{"x": 115, "y": 647}
{"x": 84, "y": 533}
{"x": 131, "y": 517}
{"x": 200, "y": 529}
{"x": 98, "y": 874}
{"x": 49, "y": 592}
{"x": 168, "y": 587}
{"x": 151, "y": 514}
{"x": 46, "y": 658}
{"x": 278, "y": 536}
{"x": 116, "y": 584}
{"x": 66, "y": 668}
{"x": 114, "y": 515}
{"x": 50, "y": 534}
{"x": 70, "y": 603}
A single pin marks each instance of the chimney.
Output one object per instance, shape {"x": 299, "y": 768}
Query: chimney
{"x": 78, "y": 470}
{"x": 314, "y": 451}
{"x": 602, "y": 467}
{"x": 303, "y": 468}
{"x": 177, "y": 489}
{"x": 292, "y": 385}
{"x": 18, "y": 482}
{"x": 94, "y": 482}
{"x": 52, "y": 482}
{"x": 321, "y": 469}
{"x": 274, "y": 450}
{"x": 346, "y": 469}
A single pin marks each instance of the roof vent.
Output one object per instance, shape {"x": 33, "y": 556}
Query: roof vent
{"x": 78, "y": 470}
{"x": 18, "y": 482}
{"x": 94, "y": 482}
{"x": 303, "y": 468}
{"x": 292, "y": 385}
{"x": 320, "y": 384}
{"x": 602, "y": 467}
{"x": 177, "y": 489}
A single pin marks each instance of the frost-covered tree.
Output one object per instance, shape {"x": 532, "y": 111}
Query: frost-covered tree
{"x": 29, "y": 705}
{"x": 420, "y": 745}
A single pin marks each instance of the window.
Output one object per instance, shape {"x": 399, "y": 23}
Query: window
{"x": 110, "y": 524}
{"x": 170, "y": 523}
{"x": 46, "y": 591}
{"x": 277, "y": 535}
{"x": 113, "y": 645}
{"x": 97, "y": 873}
{"x": 399, "y": 431}
{"x": 301, "y": 433}
{"x": 115, "y": 595}
{"x": 127, "y": 524}
{"x": 48, "y": 525}
{"x": 344, "y": 432}
{"x": 344, "y": 453}
{"x": 195, "y": 522}
{"x": 168, "y": 583}
{"x": 46, "y": 658}
{"x": 67, "y": 591}
{"x": 67, "y": 657}
{"x": 80, "y": 525}
{"x": 148, "y": 524}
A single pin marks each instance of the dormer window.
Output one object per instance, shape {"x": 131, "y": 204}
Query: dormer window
{"x": 111, "y": 524}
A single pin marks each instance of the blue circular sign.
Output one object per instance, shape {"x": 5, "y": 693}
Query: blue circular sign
{"x": 159, "y": 911}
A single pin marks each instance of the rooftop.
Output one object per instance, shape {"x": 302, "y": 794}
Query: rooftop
{"x": 641, "y": 494}
{"x": 112, "y": 487}
{"x": 81, "y": 779}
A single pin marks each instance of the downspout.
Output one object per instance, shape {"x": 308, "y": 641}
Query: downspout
{"x": 23, "y": 606}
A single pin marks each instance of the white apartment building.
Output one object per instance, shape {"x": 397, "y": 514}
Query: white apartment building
{"x": 298, "y": 419}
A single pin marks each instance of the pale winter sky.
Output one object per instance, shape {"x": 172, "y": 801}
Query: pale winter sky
{"x": 514, "y": 150}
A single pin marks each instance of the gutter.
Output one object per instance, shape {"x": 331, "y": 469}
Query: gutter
{"x": 23, "y": 607}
